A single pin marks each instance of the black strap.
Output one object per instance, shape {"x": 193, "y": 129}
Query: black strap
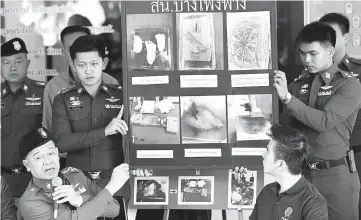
{"x": 332, "y": 163}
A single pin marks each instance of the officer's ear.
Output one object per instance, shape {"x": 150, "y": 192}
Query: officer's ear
{"x": 105, "y": 62}
{"x": 281, "y": 164}
{"x": 27, "y": 61}
{"x": 331, "y": 51}
{"x": 26, "y": 164}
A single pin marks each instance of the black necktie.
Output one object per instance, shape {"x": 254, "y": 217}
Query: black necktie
{"x": 316, "y": 85}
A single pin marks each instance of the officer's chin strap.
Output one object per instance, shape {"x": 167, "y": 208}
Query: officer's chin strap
{"x": 240, "y": 213}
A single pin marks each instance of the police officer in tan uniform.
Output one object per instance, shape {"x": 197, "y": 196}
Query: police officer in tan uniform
{"x": 323, "y": 103}
{"x": 341, "y": 25}
{"x": 76, "y": 197}
{"x": 21, "y": 111}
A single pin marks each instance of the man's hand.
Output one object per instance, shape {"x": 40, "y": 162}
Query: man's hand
{"x": 67, "y": 193}
{"x": 119, "y": 177}
{"x": 117, "y": 125}
{"x": 280, "y": 84}
{"x": 142, "y": 172}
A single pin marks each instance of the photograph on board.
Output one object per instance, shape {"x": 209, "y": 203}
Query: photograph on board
{"x": 154, "y": 120}
{"x": 249, "y": 40}
{"x": 149, "y": 41}
{"x": 249, "y": 117}
{"x": 203, "y": 119}
{"x": 242, "y": 189}
{"x": 151, "y": 190}
{"x": 200, "y": 37}
{"x": 195, "y": 190}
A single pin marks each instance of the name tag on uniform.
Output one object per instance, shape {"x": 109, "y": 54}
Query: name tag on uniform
{"x": 303, "y": 91}
{"x": 324, "y": 93}
{"x": 32, "y": 103}
{"x": 75, "y": 104}
{"x": 113, "y": 106}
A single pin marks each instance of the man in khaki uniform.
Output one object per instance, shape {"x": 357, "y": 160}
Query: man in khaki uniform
{"x": 323, "y": 103}
{"x": 73, "y": 196}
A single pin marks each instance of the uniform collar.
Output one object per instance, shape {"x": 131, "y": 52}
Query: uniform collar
{"x": 43, "y": 184}
{"x": 329, "y": 73}
{"x": 293, "y": 190}
{"x": 103, "y": 87}
{"x": 25, "y": 88}
{"x": 346, "y": 63}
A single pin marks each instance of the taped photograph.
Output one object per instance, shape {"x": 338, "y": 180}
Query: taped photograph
{"x": 200, "y": 41}
{"x": 149, "y": 41}
{"x": 249, "y": 117}
{"x": 151, "y": 190}
{"x": 242, "y": 189}
{"x": 154, "y": 120}
{"x": 249, "y": 40}
{"x": 195, "y": 190}
{"x": 203, "y": 119}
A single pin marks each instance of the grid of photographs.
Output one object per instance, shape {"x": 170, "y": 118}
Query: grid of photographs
{"x": 151, "y": 190}
{"x": 195, "y": 190}
{"x": 242, "y": 189}
{"x": 200, "y": 41}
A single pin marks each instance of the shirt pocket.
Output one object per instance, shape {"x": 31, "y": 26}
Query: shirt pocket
{"x": 5, "y": 121}
{"x": 31, "y": 117}
{"x": 80, "y": 120}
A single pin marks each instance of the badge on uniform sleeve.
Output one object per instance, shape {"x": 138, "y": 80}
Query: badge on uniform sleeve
{"x": 17, "y": 45}
{"x": 112, "y": 99}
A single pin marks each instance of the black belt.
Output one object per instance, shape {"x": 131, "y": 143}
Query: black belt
{"x": 18, "y": 170}
{"x": 318, "y": 165}
{"x": 97, "y": 175}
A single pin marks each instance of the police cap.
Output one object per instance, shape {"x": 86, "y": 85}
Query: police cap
{"x": 13, "y": 46}
{"x": 32, "y": 140}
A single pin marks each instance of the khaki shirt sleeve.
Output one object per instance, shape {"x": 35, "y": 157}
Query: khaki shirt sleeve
{"x": 339, "y": 106}
{"x": 65, "y": 139}
{"x": 109, "y": 80}
{"x": 8, "y": 208}
{"x": 42, "y": 210}
{"x": 47, "y": 107}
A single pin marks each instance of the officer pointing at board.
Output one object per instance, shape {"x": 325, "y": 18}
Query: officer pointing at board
{"x": 87, "y": 119}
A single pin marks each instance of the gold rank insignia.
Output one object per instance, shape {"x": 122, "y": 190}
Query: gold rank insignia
{"x": 25, "y": 88}
{"x": 328, "y": 75}
{"x": 4, "y": 91}
{"x": 105, "y": 88}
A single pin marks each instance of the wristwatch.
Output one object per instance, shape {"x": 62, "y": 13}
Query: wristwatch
{"x": 287, "y": 98}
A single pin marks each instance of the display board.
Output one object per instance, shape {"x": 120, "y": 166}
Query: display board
{"x": 198, "y": 89}
{"x": 314, "y": 10}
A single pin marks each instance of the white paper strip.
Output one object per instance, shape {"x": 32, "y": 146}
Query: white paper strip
{"x": 154, "y": 153}
{"x": 250, "y": 80}
{"x": 150, "y": 80}
{"x": 203, "y": 152}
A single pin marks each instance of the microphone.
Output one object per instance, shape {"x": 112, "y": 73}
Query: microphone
{"x": 56, "y": 181}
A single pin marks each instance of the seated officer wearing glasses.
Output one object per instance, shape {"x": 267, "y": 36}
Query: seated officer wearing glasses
{"x": 291, "y": 197}
{"x": 73, "y": 196}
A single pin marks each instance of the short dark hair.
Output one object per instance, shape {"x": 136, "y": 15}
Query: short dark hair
{"x": 292, "y": 147}
{"x": 339, "y": 19}
{"x": 87, "y": 43}
{"x": 317, "y": 31}
{"x": 73, "y": 29}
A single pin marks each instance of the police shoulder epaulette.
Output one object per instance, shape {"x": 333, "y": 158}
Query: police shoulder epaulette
{"x": 40, "y": 83}
{"x": 346, "y": 74}
{"x": 64, "y": 90}
{"x": 68, "y": 170}
{"x": 354, "y": 60}
{"x": 116, "y": 87}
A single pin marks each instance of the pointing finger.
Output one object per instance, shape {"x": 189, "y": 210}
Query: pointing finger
{"x": 120, "y": 115}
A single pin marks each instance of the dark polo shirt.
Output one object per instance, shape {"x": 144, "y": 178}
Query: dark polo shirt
{"x": 300, "y": 202}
